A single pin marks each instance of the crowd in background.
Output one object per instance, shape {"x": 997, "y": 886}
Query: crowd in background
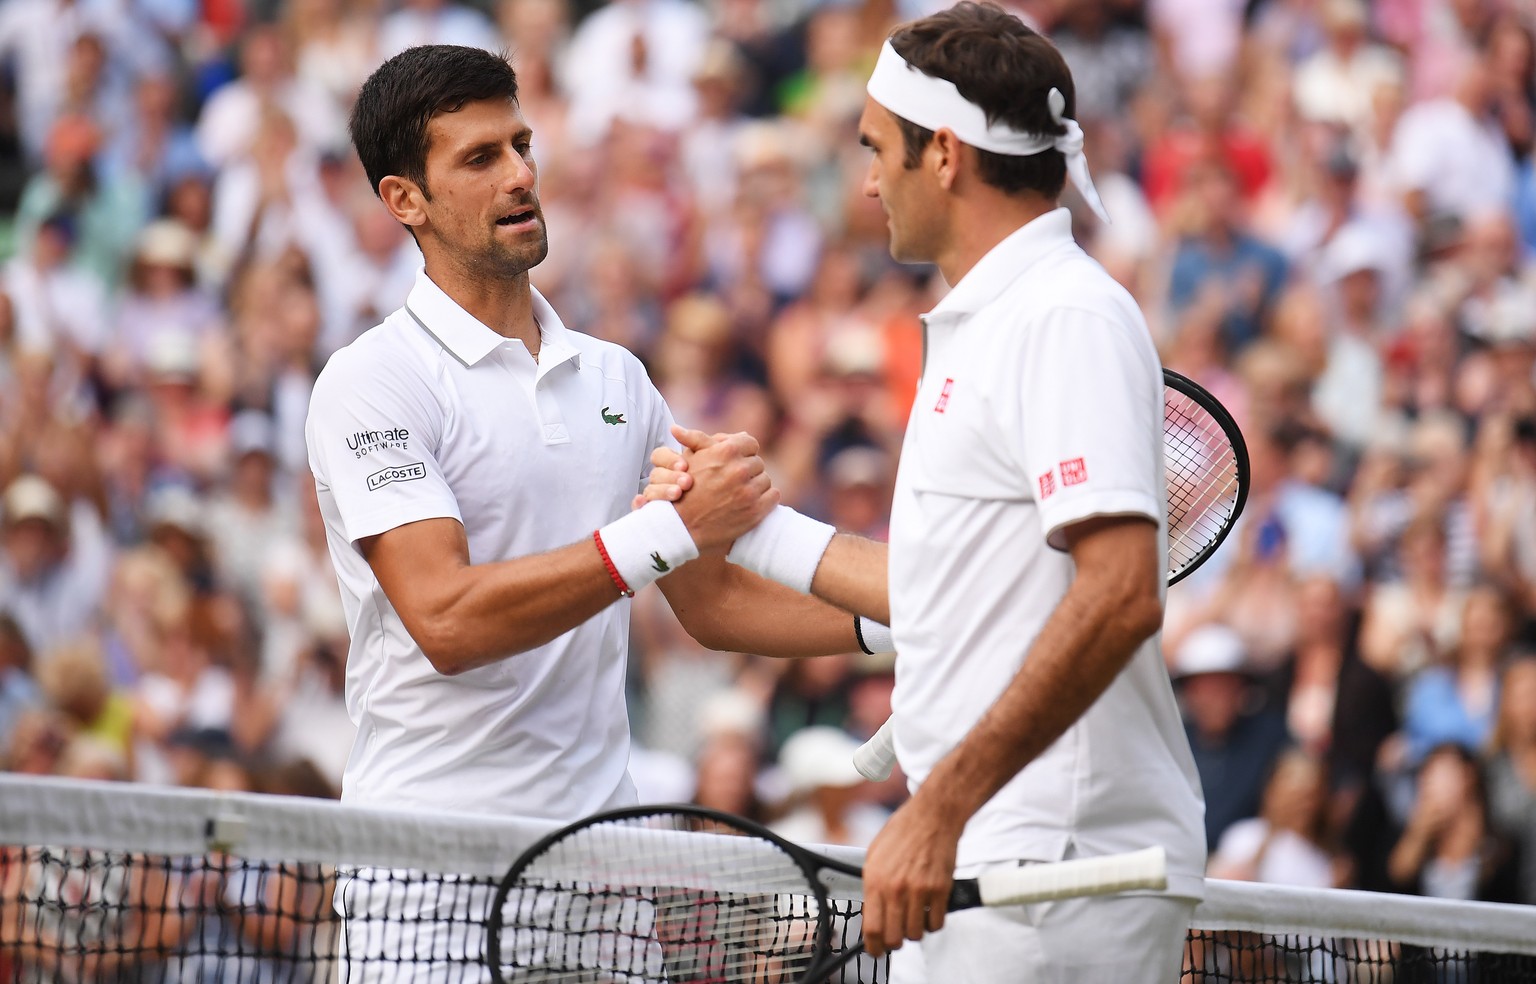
{"x": 1326, "y": 208}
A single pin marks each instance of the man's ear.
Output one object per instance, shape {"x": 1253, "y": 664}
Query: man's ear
{"x": 945, "y": 151}
{"x": 404, "y": 199}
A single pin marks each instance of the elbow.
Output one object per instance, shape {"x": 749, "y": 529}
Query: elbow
{"x": 445, "y": 648}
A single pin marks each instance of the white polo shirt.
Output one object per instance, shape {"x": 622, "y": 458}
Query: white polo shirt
{"x": 1040, "y": 405}
{"x": 432, "y": 414}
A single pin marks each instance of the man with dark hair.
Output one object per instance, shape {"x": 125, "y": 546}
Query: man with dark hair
{"x": 475, "y": 463}
{"x": 1033, "y": 714}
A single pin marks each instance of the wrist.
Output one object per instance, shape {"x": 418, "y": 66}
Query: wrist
{"x": 874, "y": 638}
{"x": 786, "y": 547}
{"x": 644, "y": 545}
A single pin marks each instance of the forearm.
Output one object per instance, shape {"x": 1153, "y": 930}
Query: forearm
{"x": 480, "y": 614}
{"x": 1086, "y": 642}
{"x": 853, "y": 576}
{"x": 730, "y": 609}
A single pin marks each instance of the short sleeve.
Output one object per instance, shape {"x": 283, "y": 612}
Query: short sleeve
{"x": 373, "y": 438}
{"x": 1090, "y": 420}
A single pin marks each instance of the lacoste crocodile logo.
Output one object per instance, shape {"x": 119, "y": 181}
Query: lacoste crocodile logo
{"x": 660, "y": 564}
{"x": 613, "y": 418}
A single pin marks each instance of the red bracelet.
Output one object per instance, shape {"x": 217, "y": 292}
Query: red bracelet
{"x": 613, "y": 572}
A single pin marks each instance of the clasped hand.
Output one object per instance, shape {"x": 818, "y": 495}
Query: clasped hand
{"x": 719, "y": 483}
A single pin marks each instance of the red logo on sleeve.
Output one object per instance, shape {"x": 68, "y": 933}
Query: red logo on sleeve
{"x": 949, "y": 384}
{"x": 1074, "y": 472}
{"x": 1047, "y": 485}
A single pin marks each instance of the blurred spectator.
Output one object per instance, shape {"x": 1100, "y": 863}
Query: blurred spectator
{"x": 59, "y": 308}
{"x": 435, "y": 22}
{"x": 1109, "y": 60}
{"x": 1216, "y": 258}
{"x": 1286, "y": 844}
{"x": 1447, "y": 850}
{"x": 1337, "y": 84}
{"x": 18, "y": 689}
{"x": 54, "y": 563}
{"x": 634, "y": 58}
{"x": 1512, "y": 769}
{"x": 106, "y": 211}
{"x": 74, "y": 678}
{"x": 1448, "y": 155}
{"x": 826, "y": 788}
{"x": 1457, "y": 702}
{"x": 228, "y": 129}
{"x": 1235, "y": 738}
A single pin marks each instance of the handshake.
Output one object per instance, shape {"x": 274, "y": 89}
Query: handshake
{"x": 718, "y": 484}
{"x": 712, "y": 498}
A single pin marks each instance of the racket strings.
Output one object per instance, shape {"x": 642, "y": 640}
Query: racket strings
{"x": 1202, "y": 479}
{"x": 625, "y": 903}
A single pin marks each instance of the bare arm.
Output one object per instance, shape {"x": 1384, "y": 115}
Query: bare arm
{"x": 1111, "y": 607}
{"x": 853, "y": 576}
{"x": 464, "y": 616}
{"x": 729, "y": 608}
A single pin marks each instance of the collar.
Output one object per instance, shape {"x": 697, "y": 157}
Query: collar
{"x": 1003, "y": 263}
{"x": 469, "y": 341}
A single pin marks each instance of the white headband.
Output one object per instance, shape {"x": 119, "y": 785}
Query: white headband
{"x": 935, "y": 104}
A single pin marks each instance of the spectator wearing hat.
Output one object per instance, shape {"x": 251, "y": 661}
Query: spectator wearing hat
{"x": 53, "y": 570}
{"x": 1234, "y": 735}
{"x": 162, "y": 298}
{"x": 826, "y": 789}
{"x": 1336, "y": 84}
{"x": 247, "y": 516}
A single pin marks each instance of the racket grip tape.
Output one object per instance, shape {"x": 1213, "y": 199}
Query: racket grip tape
{"x": 1136, "y": 870}
{"x": 877, "y": 757}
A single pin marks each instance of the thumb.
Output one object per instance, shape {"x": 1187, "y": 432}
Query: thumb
{"x": 693, "y": 440}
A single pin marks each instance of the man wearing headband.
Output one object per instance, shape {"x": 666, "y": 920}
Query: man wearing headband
{"x": 1023, "y": 584}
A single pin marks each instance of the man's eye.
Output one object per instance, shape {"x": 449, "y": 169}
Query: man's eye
{"x": 524, "y": 148}
{"x": 477, "y": 160}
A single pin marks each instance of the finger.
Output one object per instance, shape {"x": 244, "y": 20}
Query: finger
{"x": 915, "y": 916}
{"x": 756, "y": 465}
{"x": 637, "y": 502}
{"x": 745, "y": 443}
{"x": 664, "y": 457}
{"x": 874, "y": 922}
{"x": 662, "y": 493}
{"x": 668, "y": 476}
{"x": 694, "y": 440}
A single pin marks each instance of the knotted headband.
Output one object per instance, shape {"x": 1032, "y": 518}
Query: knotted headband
{"x": 934, "y": 104}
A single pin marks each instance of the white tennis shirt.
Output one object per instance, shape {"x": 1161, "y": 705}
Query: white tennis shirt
{"x": 432, "y": 414}
{"x": 1040, "y": 405}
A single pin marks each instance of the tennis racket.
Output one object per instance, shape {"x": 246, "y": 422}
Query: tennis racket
{"x": 667, "y": 895}
{"x": 1206, "y": 463}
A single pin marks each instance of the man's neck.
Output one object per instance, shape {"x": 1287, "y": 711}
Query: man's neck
{"x": 980, "y": 223}
{"x": 502, "y": 304}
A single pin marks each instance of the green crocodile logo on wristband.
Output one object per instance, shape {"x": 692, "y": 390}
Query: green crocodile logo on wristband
{"x": 660, "y": 564}
{"x": 613, "y": 418}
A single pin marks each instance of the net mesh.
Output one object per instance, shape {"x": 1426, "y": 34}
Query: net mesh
{"x": 264, "y": 905}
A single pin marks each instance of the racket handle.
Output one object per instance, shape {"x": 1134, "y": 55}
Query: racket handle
{"x": 877, "y": 757}
{"x": 1144, "y": 869}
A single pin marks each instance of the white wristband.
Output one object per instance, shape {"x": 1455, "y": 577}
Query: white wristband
{"x": 785, "y": 547}
{"x": 873, "y": 637}
{"x": 647, "y": 543}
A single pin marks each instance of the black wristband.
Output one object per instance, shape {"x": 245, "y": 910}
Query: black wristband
{"x": 858, "y": 633}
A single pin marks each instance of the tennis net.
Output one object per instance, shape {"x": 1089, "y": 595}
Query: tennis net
{"x": 108, "y": 882}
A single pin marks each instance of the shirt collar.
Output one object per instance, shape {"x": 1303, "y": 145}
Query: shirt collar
{"x": 1003, "y": 263}
{"x": 469, "y": 340}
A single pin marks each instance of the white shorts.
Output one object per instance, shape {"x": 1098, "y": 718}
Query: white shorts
{"x": 1114, "y": 939}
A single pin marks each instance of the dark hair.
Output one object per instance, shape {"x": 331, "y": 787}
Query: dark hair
{"x": 389, "y": 120}
{"x": 1001, "y": 65}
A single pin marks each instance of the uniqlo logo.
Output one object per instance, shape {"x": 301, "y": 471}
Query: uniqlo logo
{"x": 1047, "y": 485}
{"x": 949, "y": 385}
{"x": 1074, "y": 472}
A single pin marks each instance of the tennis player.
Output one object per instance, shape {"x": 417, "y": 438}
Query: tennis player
{"x": 475, "y": 462}
{"x": 1024, "y": 580}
